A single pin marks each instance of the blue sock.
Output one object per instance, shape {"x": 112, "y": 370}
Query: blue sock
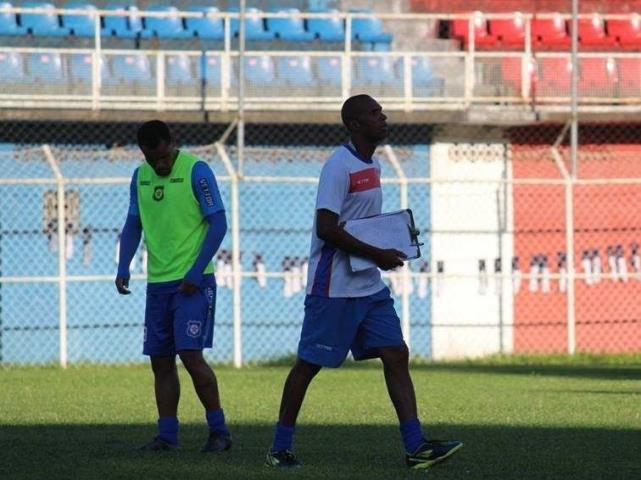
{"x": 168, "y": 429}
{"x": 216, "y": 422}
{"x": 283, "y": 438}
{"x": 412, "y": 434}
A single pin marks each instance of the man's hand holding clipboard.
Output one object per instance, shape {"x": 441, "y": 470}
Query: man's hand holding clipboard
{"x": 393, "y": 233}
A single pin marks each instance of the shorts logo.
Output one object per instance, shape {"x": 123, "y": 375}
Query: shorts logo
{"x": 320, "y": 346}
{"x": 193, "y": 328}
{"x": 159, "y": 193}
{"x": 144, "y": 335}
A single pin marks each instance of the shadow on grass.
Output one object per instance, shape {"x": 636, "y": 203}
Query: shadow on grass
{"x": 328, "y": 452}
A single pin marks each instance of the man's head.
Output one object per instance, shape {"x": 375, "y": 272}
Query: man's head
{"x": 157, "y": 144}
{"x": 363, "y": 116}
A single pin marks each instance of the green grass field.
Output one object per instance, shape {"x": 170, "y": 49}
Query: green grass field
{"x": 520, "y": 418}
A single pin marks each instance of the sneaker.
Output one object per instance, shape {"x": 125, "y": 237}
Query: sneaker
{"x": 158, "y": 445}
{"x": 216, "y": 443}
{"x": 282, "y": 459}
{"x": 431, "y": 452}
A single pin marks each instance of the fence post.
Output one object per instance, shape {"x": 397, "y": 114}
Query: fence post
{"x": 405, "y": 293}
{"x": 62, "y": 261}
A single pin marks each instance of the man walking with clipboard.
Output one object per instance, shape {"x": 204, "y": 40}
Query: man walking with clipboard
{"x": 346, "y": 310}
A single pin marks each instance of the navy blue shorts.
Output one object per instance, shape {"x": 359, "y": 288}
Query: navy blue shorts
{"x": 334, "y": 326}
{"x": 175, "y": 321}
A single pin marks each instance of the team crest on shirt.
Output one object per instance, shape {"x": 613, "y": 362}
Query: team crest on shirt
{"x": 159, "y": 193}
{"x": 193, "y": 328}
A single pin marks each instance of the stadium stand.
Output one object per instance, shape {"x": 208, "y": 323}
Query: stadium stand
{"x": 550, "y": 33}
{"x": 46, "y": 68}
{"x": 295, "y": 71}
{"x": 124, "y": 27}
{"x": 627, "y": 32}
{"x": 255, "y": 27}
{"x": 592, "y": 34}
{"x": 482, "y": 37}
{"x": 327, "y": 29}
{"x": 510, "y": 33}
{"x": 12, "y": 67}
{"x": 369, "y": 30}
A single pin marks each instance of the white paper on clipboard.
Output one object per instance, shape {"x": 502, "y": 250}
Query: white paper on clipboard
{"x": 389, "y": 230}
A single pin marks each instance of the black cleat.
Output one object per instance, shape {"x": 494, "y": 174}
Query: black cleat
{"x": 282, "y": 459}
{"x": 431, "y": 452}
{"x": 216, "y": 443}
{"x": 158, "y": 445}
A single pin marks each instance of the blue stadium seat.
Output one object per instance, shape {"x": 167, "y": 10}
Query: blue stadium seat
{"x": 179, "y": 71}
{"x": 290, "y": 29}
{"x": 12, "y": 67}
{"x": 46, "y": 68}
{"x": 168, "y": 27}
{"x": 80, "y": 68}
{"x": 205, "y": 28}
{"x": 212, "y": 72}
{"x": 43, "y": 24}
{"x": 259, "y": 70}
{"x": 374, "y": 70}
{"x": 254, "y": 26}
{"x": 133, "y": 68}
{"x": 80, "y": 25}
{"x": 296, "y": 70}
{"x": 424, "y": 81}
{"x": 9, "y": 22}
{"x": 369, "y": 29}
{"x": 329, "y": 71}
{"x": 327, "y": 29}
{"x": 129, "y": 26}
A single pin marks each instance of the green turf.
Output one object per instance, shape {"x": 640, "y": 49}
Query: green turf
{"x": 520, "y": 418}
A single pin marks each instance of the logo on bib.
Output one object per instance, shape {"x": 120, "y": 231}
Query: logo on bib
{"x": 193, "y": 328}
{"x": 159, "y": 193}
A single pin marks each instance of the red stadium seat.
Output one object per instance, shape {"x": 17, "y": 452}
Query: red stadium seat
{"x": 554, "y": 77}
{"x": 598, "y": 77}
{"x": 627, "y": 32}
{"x": 592, "y": 33}
{"x": 550, "y": 33}
{"x": 511, "y": 32}
{"x": 482, "y": 38}
{"x": 629, "y": 76}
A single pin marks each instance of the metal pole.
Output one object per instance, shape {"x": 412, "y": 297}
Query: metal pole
{"x": 96, "y": 66}
{"x": 574, "y": 128}
{"x": 62, "y": 261}
{"x": 240, "y": 138}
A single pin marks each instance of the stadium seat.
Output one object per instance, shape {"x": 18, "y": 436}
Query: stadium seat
{"x": 328, "y": 71}
{"x": 289, "y": 29}
{"x": 424, "y": 82}
{"x": 597, "y": 77}
{"x": 170, "y": 27}
{"x": 179, "y": 71}
{"x": 629, "y": 70}
{"x": 373, "y": 70}
{"x": 482, "y": 38}
{"x": 327, "y": 29}
{"x": 550, "y": 33}
{"x": 212, "y": 74}
{"x": 46, "y": 68}
{"x": 43, "y": 24}
{"x": 369, "y": 29}
{"x": 295, "y": 70}
{"x": 80, "y": 67}
{"x": 80, "y": 25}
{"x": 205, "y": 28}
{"x": 510, "y": 32}
{"x": 592, "y": 33}
{"x": 554, "y": 76}
{"x": 129, "y": 26}
{"x": 12, "y": 67}
{"x": 9, "y": 22}
{"x": 254, "y": 25}
{"x": 627, "y": 32}
{"x": 259, "y": 70}
{"x": 131, "y": 69}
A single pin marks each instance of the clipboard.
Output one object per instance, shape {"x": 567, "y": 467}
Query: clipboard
{"x": 388, "y": 230}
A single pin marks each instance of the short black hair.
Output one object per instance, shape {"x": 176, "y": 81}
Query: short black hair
{"x": 152, "y": 133}
{"x": 351, "y": 108}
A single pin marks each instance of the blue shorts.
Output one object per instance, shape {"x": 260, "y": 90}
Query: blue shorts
{"x": 334, "y": 326}
{"x": 175, "y": 321}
